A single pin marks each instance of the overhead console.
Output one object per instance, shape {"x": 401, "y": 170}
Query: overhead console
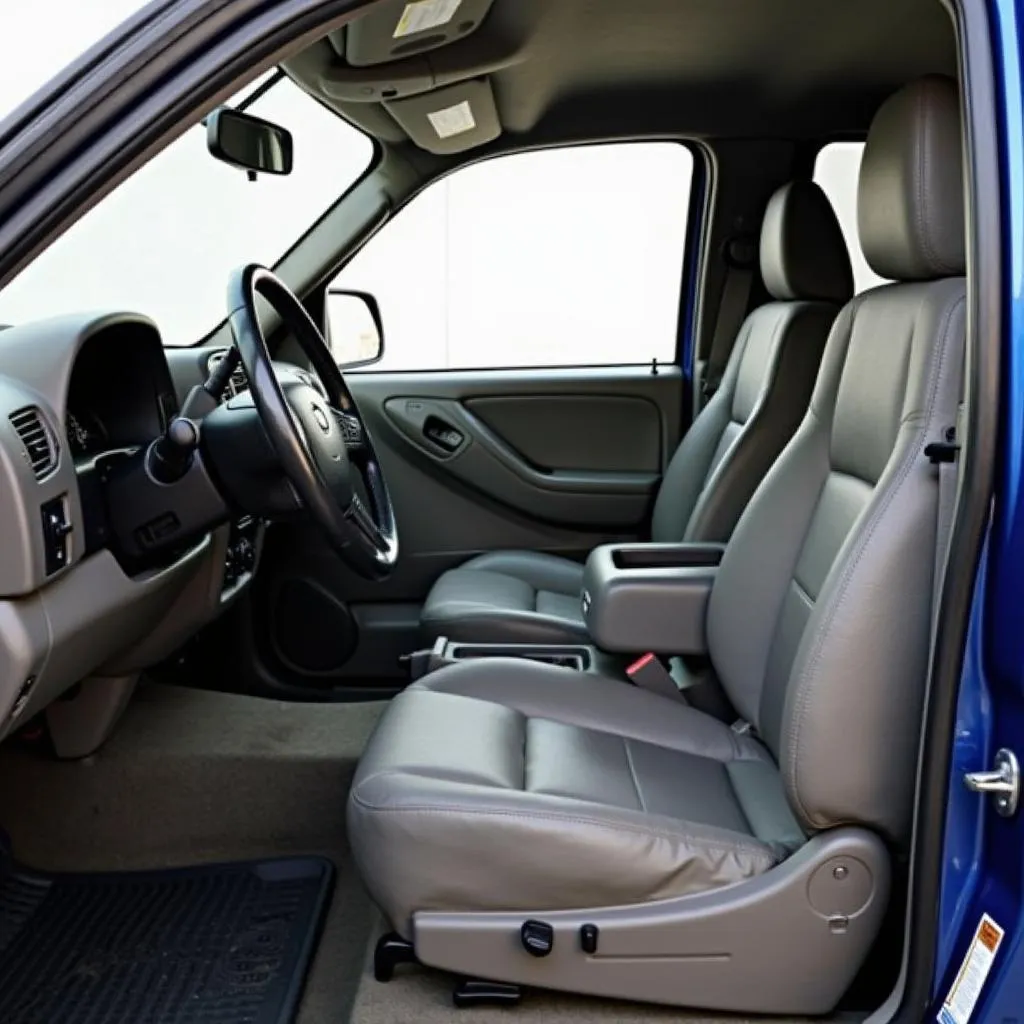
{"x": 427, "y": 65}
{"x": 395, "y": 30}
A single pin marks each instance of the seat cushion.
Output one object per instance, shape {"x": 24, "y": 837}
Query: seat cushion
{"x": 552, "y": 789}
{"x": 508, "y": 597}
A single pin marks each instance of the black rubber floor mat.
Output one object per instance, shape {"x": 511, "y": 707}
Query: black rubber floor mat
{"x": 223, "y": 944}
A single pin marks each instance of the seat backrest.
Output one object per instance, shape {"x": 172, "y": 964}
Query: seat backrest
{"x": 770, "y": 374}
{"x": 819, "y": 621}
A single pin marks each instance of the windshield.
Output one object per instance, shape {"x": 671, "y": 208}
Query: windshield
{"x": 164, "y": 241}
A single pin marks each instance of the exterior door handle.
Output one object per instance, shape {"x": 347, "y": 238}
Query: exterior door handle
{"x": 1003, "y": 782}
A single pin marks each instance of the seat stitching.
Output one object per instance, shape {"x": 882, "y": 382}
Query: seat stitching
{"x": 823, "y": 423}
{"x": 836, "y": 604}
{"x": 721, "y": 845}
{"x": 632, "y": 773}
{"x": 803, "y": 690}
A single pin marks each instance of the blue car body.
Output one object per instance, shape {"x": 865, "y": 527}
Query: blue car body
{"x": 983, "y": 870}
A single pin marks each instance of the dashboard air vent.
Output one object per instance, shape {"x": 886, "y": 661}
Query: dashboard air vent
{"x": 39, "y": 442}
{"x": 238, "y": 382}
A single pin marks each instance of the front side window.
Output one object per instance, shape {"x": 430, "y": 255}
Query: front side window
{"x": 560, "y": 257}
{"x": 164, "y": 242}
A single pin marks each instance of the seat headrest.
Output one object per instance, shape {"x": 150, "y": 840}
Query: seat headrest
{"x": 910, "y": 197}
{"x": 803, "y": 253}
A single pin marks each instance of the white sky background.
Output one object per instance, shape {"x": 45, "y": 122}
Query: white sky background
{"x": 540, "y": 259}
{"x": 43, "y": 36}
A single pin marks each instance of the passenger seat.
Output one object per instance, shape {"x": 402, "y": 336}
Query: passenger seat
{"x": 531, "y": 597}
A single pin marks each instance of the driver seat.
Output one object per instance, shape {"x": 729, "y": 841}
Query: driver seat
{"x": 531, "y": 824}
{"x": 534, "y": 596}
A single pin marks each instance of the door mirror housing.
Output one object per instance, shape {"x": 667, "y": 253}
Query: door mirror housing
{"x": 354, "y": 329}
{"x": 254, "y": 145}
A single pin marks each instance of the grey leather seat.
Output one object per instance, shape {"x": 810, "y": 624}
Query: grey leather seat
{"x": 530, "y": 597}
{"x": 734, "y": 870}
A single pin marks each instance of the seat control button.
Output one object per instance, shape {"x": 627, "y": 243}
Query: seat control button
{"x": 538, "y": 937}
{"x": 588, "y": 938}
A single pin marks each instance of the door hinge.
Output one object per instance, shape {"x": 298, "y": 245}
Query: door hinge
{"x": 1003, "y": 782}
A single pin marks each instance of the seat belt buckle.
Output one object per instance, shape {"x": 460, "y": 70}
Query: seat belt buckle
{"x": 649, "y": 673}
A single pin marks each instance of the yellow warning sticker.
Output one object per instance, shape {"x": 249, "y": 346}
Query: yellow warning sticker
{"x": 970, "y": 980}
{"x": 423, "y": 15}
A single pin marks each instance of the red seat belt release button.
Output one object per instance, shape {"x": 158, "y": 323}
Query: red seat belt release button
{"x": 649, "y": 673}
{"x": 640, "y": 664}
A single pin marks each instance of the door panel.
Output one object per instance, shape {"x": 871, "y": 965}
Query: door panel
{"x": 449, "y": 434}
{"x": 507, "y": 439}
{"x": 609, "y": 434}
{"x": 501, "y": 486}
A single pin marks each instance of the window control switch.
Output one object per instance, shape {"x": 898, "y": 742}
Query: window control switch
{"x": 442, "y": 434}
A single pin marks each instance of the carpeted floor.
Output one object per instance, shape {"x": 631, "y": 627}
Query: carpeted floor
{"x": 196, "y": 777}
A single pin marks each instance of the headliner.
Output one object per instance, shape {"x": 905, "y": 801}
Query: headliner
{"x": 754, "y": 68}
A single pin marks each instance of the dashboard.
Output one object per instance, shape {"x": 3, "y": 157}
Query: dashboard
{"x": 80, "y": 396}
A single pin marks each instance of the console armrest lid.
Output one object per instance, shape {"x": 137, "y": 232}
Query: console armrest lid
{"x": 639, "y": 598}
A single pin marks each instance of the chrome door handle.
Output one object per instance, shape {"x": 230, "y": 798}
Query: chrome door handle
{"x": 1003, "y": 782}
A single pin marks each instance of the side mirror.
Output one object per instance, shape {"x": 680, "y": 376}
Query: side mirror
{"x": 255, "y": 145}
{"x": 354, "y": 329}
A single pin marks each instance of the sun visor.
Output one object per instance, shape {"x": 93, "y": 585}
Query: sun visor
{"x": 395, "y": 30}
{"x": 449, "y": 120}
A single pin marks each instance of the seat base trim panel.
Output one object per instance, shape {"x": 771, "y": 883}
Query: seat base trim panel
{"x": 787, "y": 942}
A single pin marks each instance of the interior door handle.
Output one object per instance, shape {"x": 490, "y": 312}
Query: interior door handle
{"x": 442, "y": 433}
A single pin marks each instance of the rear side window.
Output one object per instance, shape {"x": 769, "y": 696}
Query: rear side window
{"x": 836, "y": 171}
{"x": 560, "y": 257}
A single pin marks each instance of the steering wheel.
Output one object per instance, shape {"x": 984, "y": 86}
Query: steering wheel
{"x": 317, "y": 441}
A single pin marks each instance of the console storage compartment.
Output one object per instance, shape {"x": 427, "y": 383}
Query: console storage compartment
{"x": 649, "y": 597}
{"x": 578, "y": 657}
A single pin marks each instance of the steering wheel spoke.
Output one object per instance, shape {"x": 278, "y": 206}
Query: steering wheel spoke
{"x": 316, "y": 431}
{"x": 363, "y": 520}
{"x": 351, "y": 427}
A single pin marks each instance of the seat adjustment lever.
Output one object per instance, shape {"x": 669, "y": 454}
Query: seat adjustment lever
{"x": 390, "y": 951}
{"x": 538, "y": 937}
{"x": 477, "y": 992}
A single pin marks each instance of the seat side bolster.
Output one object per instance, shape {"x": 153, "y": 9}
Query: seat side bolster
{"x": 852, "y": 711}
{"x": 687, "y": 471}
{"x": 800, "y": 333}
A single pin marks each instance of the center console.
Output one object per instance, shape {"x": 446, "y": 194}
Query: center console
{"x": 636, "y": 599}
{"x": 578, "y": 657}
{"x": 649, "y": 597}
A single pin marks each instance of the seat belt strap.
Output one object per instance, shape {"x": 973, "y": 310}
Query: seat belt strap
{"x": 732, "y": 311}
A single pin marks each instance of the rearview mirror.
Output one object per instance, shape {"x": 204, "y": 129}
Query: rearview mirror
{"x": 354, "y": 329}
{"x": 255, "y": 145}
